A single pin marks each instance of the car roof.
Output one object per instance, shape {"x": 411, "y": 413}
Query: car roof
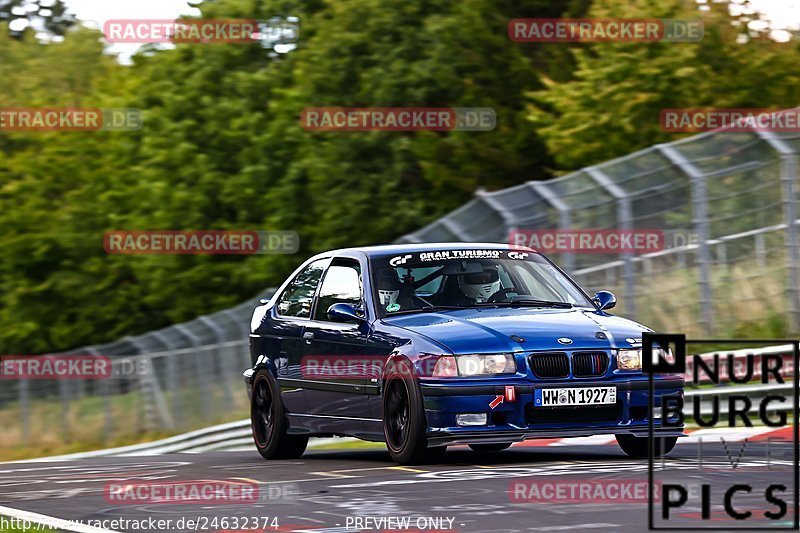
{"x": 374, "y": 251}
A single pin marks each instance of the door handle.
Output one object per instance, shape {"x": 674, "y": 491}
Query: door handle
{"x": 308, "y": 337}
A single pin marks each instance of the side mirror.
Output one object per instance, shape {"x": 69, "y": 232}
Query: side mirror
{"x": 605, "y": 300}
{"x": 343, "y": 312}
{"x": 263, "y": 301}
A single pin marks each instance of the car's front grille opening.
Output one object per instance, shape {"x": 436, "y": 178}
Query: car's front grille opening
{"x": 589, "y": 364}
{"x": 638, "y": 412}
{"x": 549, "y": 365}
{"x": 588, "y": 414}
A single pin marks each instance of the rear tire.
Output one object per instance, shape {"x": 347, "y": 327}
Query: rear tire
{"x": 639, "y": 446}
{"x": 404, "y": 422}
{"x": 268, "y": 421}
{"x": 496, "y": 447}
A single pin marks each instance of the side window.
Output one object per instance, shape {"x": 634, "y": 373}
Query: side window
{"x": 342, "y": 284}
{"x": 296, "y": 300}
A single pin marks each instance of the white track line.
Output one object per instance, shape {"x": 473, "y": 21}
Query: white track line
{"x": 52, "y": 522}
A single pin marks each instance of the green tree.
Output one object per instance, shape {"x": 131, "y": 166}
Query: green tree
{"x": 222, "y": 147}
{"x": 612, "y": 104}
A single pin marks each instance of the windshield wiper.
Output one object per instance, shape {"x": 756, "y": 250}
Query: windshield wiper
{"x": 527, "y": 303}
{"x": 427, "y": 309}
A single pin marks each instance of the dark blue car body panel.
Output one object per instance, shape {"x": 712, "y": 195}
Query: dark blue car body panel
{"x": 353, "y": 407}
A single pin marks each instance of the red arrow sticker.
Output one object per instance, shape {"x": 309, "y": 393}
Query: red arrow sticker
{"x": 497, "y": 401}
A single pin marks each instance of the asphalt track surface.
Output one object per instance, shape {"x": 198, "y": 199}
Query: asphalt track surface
{"x": 327, "y": 491}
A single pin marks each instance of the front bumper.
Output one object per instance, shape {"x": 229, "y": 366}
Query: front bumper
{"x": 519, "y": 420}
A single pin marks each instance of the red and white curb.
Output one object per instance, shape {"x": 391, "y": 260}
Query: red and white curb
{"x": 711, "y": 435}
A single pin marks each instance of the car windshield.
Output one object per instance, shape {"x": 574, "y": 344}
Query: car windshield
{"x": 453, "y": 279}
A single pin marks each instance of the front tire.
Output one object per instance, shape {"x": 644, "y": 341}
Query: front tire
{"x": 268, "y": 421}
{"x": 639, "y": 446}
{"x": 404, "y": 422}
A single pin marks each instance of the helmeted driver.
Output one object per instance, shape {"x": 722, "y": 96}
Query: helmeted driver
{"x": 480, "y": 286}
{"x": 388, "y": 287}
{"x": 395, "y": 294}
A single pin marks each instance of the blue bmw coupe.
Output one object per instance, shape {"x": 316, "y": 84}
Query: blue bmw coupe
{"x": 425, "y": 346}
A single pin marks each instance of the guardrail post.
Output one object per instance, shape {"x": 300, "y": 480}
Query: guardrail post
{"x": 700, "y": 221}
{"x": 788, "y": 170}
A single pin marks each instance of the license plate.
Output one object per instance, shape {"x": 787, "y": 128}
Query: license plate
{"x": 574, "y": 396}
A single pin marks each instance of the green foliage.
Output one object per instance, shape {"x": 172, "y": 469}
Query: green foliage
{"x": 222, "y": 147}
{"x": 611, "y": 106}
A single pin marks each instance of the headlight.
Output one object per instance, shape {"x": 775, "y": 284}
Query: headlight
{"x": 629, "y": 359}
{"x": 632, "y": 359}
{"x": 475, "y": 365}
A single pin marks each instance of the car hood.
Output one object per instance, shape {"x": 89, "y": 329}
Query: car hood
{"x": 492, "y": 330}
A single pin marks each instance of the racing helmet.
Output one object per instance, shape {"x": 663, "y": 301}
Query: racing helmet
{"x": 480, "y": 286}
{"x": 388, "y": 284}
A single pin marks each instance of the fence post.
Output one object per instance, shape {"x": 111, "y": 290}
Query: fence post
{"x": 564, "y": 219}
{"x": 156, "y": 402}
{"x": 64, "y": 394}
{"x": 244, "y": 333}
{"x": 25, "y": 409}
{"x": 148, "y": 403}
{"x": 497, "y": 207}
{"x": 761, "y": 250}
{"x": 174, "y": 385}
{"x": 788, "y": 170}
{"x": 222, "y": 360}
{"x": 789, "y": 193}
{"x": 201, "y": 367}
{"x": 105, "y": 391}
{"x": 700, "y": 221}
{"x": 625, "y": 221}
